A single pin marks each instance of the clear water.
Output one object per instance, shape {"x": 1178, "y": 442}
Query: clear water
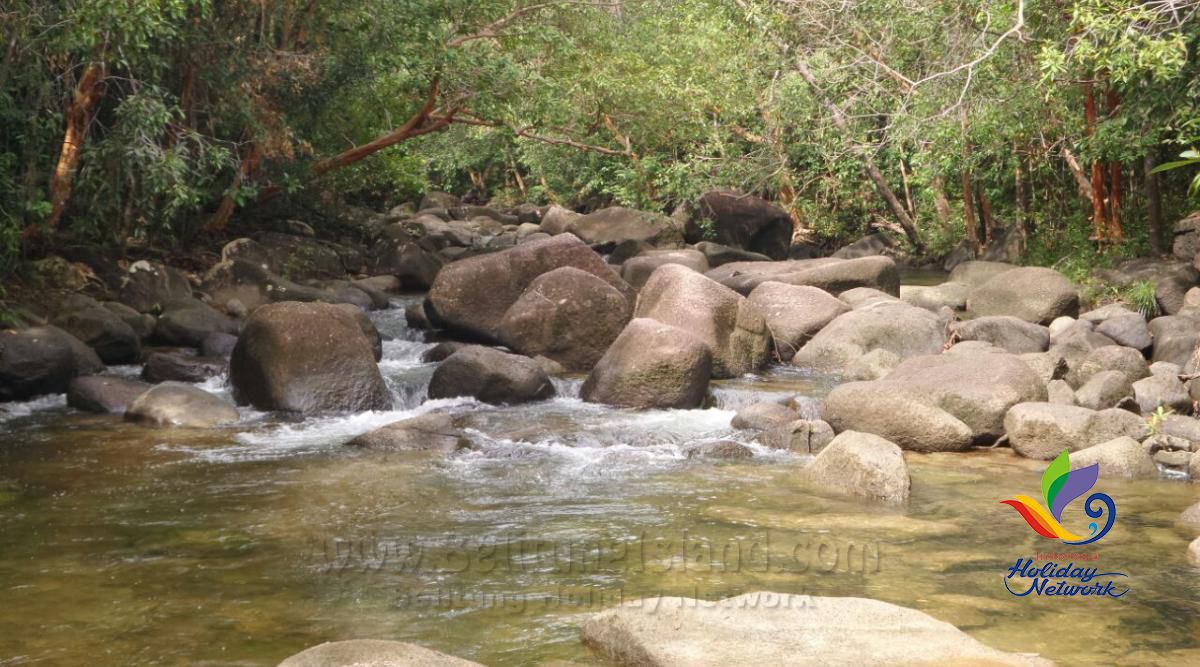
{"x": 239, "y": 546}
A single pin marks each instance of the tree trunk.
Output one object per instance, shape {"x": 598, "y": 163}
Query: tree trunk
{"x": 246, "y": 169}
{"x": 1114, "y": 178}
{"x": 79, "y": 112}
{"x": 1081, "y": 179}
{"x": 881, "y": 184}
{"x": 1099, "y": 219}
{"x": 1153, "y": 203}
{"x": 908, "y": 200}
{"x": 985, "y": 215}
{"x": 1022, "y": 203}
{"x": 941, "y": 205}
{"x": 969, "y": 212}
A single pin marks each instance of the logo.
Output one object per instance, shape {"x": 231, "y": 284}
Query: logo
{"x": 1060, "y": 486}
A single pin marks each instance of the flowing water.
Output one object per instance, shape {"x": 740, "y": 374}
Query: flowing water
{"x": 239, "y": 546}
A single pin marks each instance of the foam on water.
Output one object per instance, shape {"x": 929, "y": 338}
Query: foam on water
{"x": 17, "y": 409}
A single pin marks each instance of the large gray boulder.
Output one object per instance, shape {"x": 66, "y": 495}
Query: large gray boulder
{"x": 651, "y": 365}
{"x": 763, "y": 415}
{"x": 977, "y": 272}
{"x": 1129, "y": 330}
{"x": 568, "y": 315}
{"x": 182, "y": 367}
{"x": 1120, "y": 458}
{"x": 491, "y": 376}
{"x": 861, "y": 465}
{"x": 739, "y": 220}
{"x": 781, "y": 629}
{"x": 732, "y": 327}
{"x": 41, "y": 360}
{"x": 1032, "y": 293}
{"x": 470, "y": 297}
{"x": 1176, "y": 338}
{"x": 636, "y": 270}
{"x": 1042, "y": 430}
{"x": 433, "y": 432}
{"x": 717, "y": 254}
{"x": 1127, "y": 361}
{"x": 100, "y": 328}
{"x": 945, "y": 402}
{"x": 106, "y": 395}
{"x": 936, "y": 297}
{"x": 1104, "y": 389}
{"x": 148, "y": 286}
{"x": 795, "y": 313}
{"x": 373, "y": 653}
{"x": 830, "y": 274}
{"x": 1161, "y": 390}
{"x": 901, "y": 329}
{"x": 306, "y": 357}
{"x": 188, "y": 321}
{"x": 183, "y": 405}
{"x": 1008, "y": 333}
{"x": 611, "y": 226}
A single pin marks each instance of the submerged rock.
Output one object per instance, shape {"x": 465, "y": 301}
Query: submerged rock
{"x": 109, "y": 395}
{"x": 803, "y": 436}
{"x": 178, "y": 404}
{"x": 436, "y": 432}
{"x": 721, "y": 449}
{"x": 306, "y": 357}
{"x": 373, "y": 653}
{"x": 491, "y": 376}
{"x": 764, "y": 415}
{"x": 861, "y": 465}
{"x": 651, "y": 365}
{"x": 778, "y": 629}
{"x": 732, "y": 327}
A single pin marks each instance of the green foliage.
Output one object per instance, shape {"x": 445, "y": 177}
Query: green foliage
{"x": 1156, "y": 419}
{"x": 1188, "y": 158}
{"x": 1143, "y": 299}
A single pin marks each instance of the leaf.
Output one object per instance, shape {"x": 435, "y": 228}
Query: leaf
{"x": 1055, "y": 476}
{"x": 1167, "y": 166}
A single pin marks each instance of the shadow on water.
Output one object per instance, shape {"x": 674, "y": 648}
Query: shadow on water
{"x": 120, "y": 544}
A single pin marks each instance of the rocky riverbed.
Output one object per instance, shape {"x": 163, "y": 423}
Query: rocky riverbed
{"x": 482, "y": 429}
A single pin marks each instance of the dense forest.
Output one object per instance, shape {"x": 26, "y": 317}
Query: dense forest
{"x": 1049, "y": 125}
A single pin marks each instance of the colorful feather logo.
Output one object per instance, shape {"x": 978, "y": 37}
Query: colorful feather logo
{"x": 1061, "y": 486}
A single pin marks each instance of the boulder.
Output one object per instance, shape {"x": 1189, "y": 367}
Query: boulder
{"x": 863, "y": 297}
{"x": 977, "y": 272}
{"x": 717, "y": 254}
{"x": 636, "y": 270}
{"x": 1122, "y": 458}
{"x": 720, "y": 449}
{"x": 1161, "y": 390}
{"x": 741, "y": 221}
{"x": 936, "y": 297}
{"x": 1104, "y": 390}
{"x": 373, "y": 653}
{"x": 1184, "y": 427}
{"x": 794, "y": 313}
{"x": 1165, "y": 368}
{"x": 867, "y": 246}
{"x": 1032, "y": 293}
{"x": 802, "y": 436}
{"x": 306, "y": 357}
{"x": 832, "y": 275}
{"x": 614, "y": 225}
{"x": 871, "y": 366}
{"x": 1176, "y": 337}
{"x": 141, "y": 323}
{"x": 106, "y": 395}
{"x": 470, "y": 297}
{"x": 441, "y": 351}
{"x": 1041, "y": 430}
{"x": 732, "y": 327}
{"x": 181, "y": 367}
{"x": 1193, "y": 552}
{"x": 178, "y": 404}
{"x": 780, "y": 629}
{"x": 218, "y": 345}
{"x": 188, "y": 321}
{"x": 1058, "y": 391}
{"x": 491, "y": 376}
{"x": 945, "y": 402}
{"x": 1171, "y": 279}
{"x": 442, "y": 200}
{"x": 568, "y": 315}
{"x": 861, "y": 465}
{"x": 114, "y": 340}
{"x": 432, "y": 432}
{"x": 41, "y": 360}
{"x": 1127, "y": 361}
{"x": 557, "y": 220}
{"x": 367, "y": 326}
{"x": 148, "y": 286}
{"x": 898, "y": 328}
{"x": 763, "y": 415}
{"x": 1127, "y": 330}
{"x": 1008, "y": 333}
{"x": 651, "y": 365}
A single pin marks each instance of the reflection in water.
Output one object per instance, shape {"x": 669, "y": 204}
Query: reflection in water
{"x": 120, "y": 544}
